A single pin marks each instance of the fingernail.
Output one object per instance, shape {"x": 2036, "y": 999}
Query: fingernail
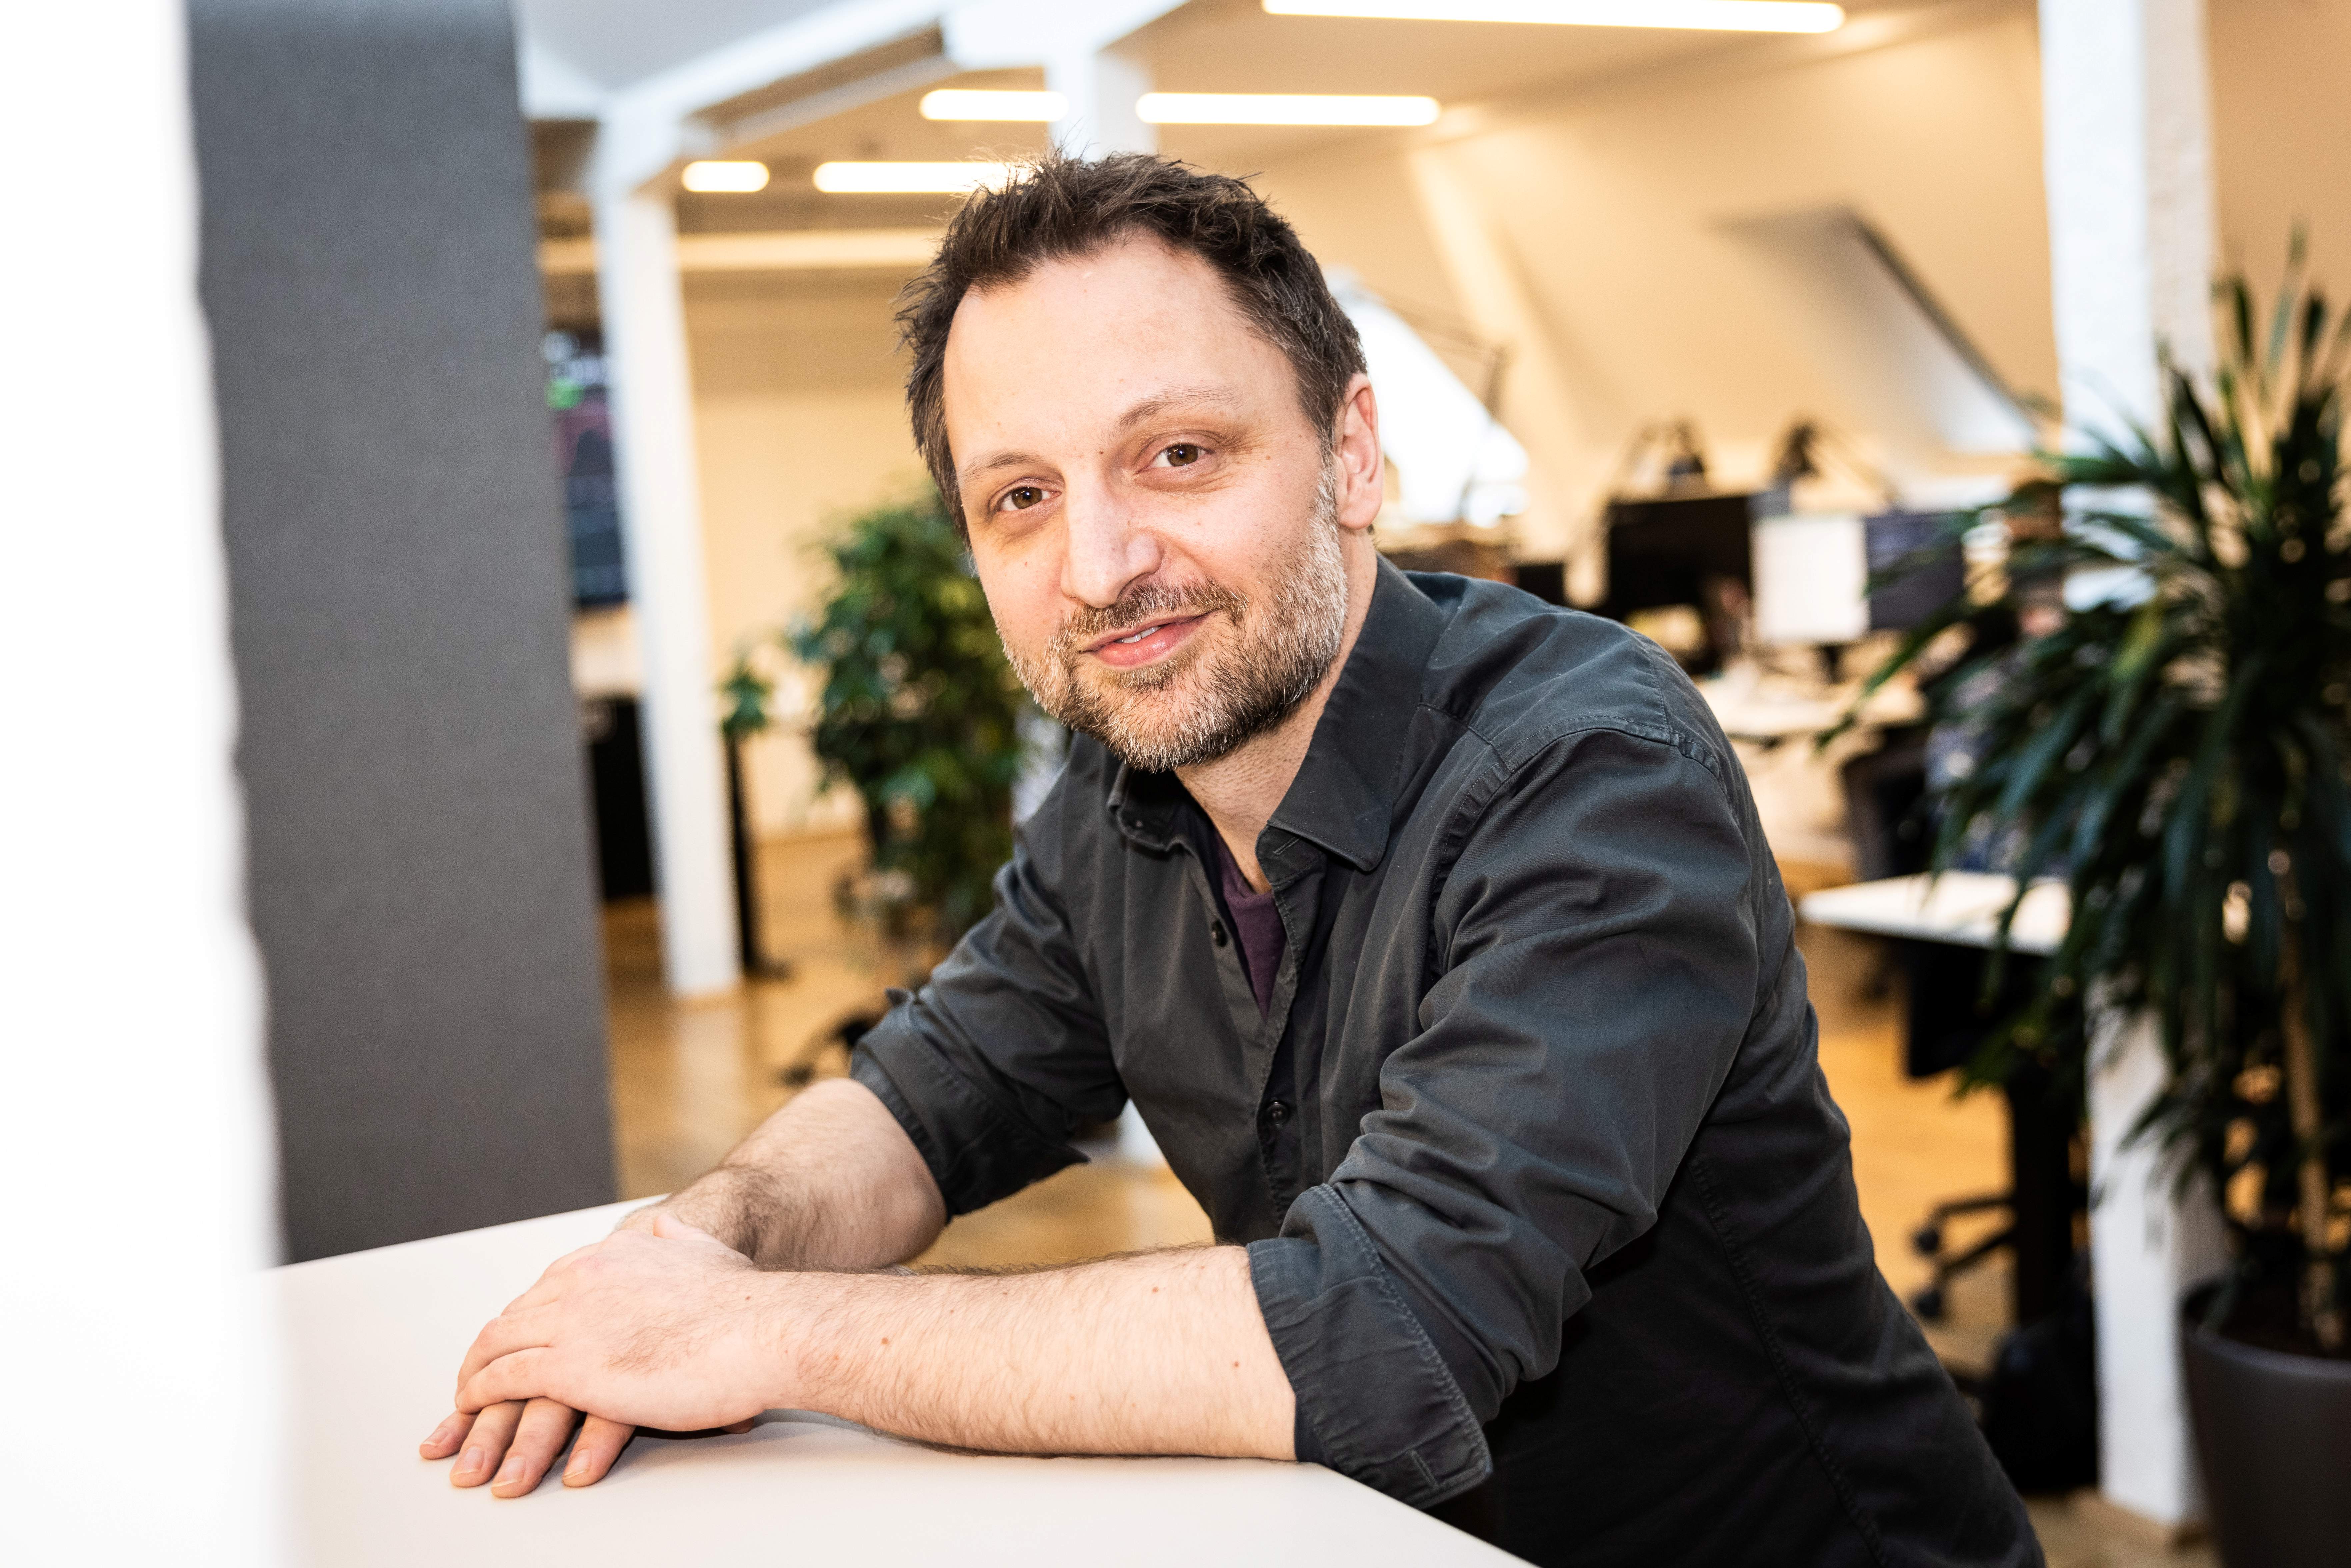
{"x": 473, "y": 1461}
{"x": 577, "y": 1468}
{"x": 513, "y": 1472}
{"x": 442, "y": 1431}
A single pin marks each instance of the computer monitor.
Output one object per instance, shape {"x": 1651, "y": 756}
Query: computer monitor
{"x": 1695, "y": 550}
{"x": 1890, "y": 538}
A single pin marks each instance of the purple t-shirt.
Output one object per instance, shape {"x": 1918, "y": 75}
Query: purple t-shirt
{"x": 1257, "y": 924}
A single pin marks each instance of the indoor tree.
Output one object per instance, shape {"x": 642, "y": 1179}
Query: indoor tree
{"x": 920, "y": 713}
{"x": 2180, "y": 755}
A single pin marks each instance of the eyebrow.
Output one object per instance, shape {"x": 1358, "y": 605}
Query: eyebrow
{"x": 1216, "y": 397}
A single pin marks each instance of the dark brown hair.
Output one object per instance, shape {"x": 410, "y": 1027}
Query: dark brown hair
{"x": 1060, "y": 207}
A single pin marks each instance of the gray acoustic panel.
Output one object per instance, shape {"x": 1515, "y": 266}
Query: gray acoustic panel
{"x": 420, "y": 871}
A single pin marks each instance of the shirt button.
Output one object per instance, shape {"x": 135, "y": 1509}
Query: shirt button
{"x": 1217, "y": 932}
{"x": 1278, "y": 1112}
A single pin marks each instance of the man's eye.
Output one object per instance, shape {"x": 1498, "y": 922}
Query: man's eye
{"x": 1020, "y": 497}
{"x": 1182, "y": 454}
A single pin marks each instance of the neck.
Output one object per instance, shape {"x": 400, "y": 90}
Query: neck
{"x": 1241, "y": 790}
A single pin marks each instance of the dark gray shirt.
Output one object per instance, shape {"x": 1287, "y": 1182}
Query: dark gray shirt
{"x": 1548, "y": 1209}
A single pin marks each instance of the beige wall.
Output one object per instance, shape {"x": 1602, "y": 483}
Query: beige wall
{"x": 2282, "y": 130}
{"x": 799, "y": 420}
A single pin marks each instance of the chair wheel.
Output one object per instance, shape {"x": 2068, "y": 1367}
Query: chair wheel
{"x": 1928, "y": 1239}
{"x": 1928, "y": 1304}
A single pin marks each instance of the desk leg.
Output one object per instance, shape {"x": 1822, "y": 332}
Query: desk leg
{"x": 2041, "y": 1187}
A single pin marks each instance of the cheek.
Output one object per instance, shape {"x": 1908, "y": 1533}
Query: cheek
{"x": 1023, "y": 596}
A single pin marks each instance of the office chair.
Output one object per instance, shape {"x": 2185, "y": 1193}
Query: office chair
{"x": 1885, "y": 793}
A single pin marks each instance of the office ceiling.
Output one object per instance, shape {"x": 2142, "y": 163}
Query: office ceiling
{"x": 616, "y": 43}
{"x": 1206, "y": 46}
{"x": 1232, "y": 45}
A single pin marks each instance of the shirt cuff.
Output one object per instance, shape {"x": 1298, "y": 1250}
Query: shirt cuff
{"x": 976, "y": 1152}
{"x": 1376, "y": 1401}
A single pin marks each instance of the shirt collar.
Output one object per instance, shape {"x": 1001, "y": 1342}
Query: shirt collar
{"x": 1344, "y": 794}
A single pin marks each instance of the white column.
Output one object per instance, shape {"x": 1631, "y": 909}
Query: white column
{"x": 1102, "y": 87}
{"x": 134, "y": 1130}
{"x": 2127, "y": 155}
{"x": 2146, "y": 1247}
{"x": 2126, "y": 134}
{"x": 661, "y": 521}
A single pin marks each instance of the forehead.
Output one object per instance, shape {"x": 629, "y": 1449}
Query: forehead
{"x": 1083, "y": 337}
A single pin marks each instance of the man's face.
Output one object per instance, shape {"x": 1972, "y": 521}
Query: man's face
{"x": 1157, "y": 522}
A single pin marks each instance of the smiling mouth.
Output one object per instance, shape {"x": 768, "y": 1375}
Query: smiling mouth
{"x": 1141, "y": 633}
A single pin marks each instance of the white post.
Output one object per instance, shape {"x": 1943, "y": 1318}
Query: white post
{"x": 135, "y": 1129}
{"x": 2146, "y": 1248}
{"x": 2127, "y": 131}
{"x": 1101, "y": 88}
{"x": 2127, "y": 155}
{"x": 661, "y": 521}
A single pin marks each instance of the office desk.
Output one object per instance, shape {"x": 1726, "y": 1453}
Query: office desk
{"x": 1766, "y": 713}
{"x": 1962, "y": 909}
{"x": 372, "y": 1342}
{"x": 2150, "y": 1241}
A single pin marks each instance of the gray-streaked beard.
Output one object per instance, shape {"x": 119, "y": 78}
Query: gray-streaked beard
{"x": 1204, "y": 702}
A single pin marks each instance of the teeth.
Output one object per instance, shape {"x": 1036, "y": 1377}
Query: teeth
{"x": 1139, "y": 636}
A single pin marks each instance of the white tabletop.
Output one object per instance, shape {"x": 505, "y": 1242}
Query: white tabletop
{"x": 1962, "y": 907}
{"x": 373, "y": 1340}
{"x": 1765, "y": 710}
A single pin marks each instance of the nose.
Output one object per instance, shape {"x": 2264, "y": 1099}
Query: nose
{"x": 1106, "y": 549}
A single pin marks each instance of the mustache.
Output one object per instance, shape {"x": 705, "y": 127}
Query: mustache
{"x": 1139, "y": 606}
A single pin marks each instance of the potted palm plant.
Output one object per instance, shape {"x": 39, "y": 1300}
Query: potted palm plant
{"x": 920, "y": 714}
{"x": 2180, "y": 754}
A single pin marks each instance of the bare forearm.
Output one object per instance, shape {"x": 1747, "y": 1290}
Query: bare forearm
{"x": 1159, "y": 1354}
{"x": 829, "y": 1181}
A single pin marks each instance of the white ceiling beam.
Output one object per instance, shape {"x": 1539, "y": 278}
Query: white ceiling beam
{"x": 910, "y": 77}
{"x": 649, "y": 126}
{"x": 995, "y": 35}
{"x": 551, "y": 86}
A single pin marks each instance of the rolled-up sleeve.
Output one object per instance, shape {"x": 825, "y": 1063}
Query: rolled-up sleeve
{"x": 1598, "y": 967}
{"x": 998, "y": 1060}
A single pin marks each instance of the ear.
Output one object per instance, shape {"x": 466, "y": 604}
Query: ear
{"x": 1363, "y": 479}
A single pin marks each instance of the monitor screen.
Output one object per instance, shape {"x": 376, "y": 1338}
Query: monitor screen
{"x": 1892, "y": 538}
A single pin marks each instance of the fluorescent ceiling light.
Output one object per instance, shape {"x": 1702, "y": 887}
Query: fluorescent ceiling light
{"x": 910, "y": 177}
{"x": 966, "y": 103}
{"x": 1721, "y": 15}
{"x": 1281, "y": 108}
{"x": 726, "y": 174}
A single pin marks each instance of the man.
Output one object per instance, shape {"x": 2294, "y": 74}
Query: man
{"x": 1432, "y": 933}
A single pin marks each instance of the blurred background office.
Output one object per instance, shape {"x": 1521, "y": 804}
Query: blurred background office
{"x": 602, "y": 747}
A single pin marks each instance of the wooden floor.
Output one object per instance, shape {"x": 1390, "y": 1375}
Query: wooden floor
{"x": 689, "y": 1078}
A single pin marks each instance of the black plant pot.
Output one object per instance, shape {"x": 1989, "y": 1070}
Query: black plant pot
{"x": 2273, "y": 1431}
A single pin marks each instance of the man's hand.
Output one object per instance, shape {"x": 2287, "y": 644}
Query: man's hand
{"x": 660, "y": 1329}
{"x": 655, "y": 1249}
{"x": 527, "y": 1437}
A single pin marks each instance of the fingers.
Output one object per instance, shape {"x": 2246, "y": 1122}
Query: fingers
{"x": 485, "y": 1445}
{"x": 515, "y": 1329}
{"x": 524, "y": 1374}
{"x": 601, "y": 1442}
{"x": 538, "y": 1438}
{"x": 446, "y": 1436}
